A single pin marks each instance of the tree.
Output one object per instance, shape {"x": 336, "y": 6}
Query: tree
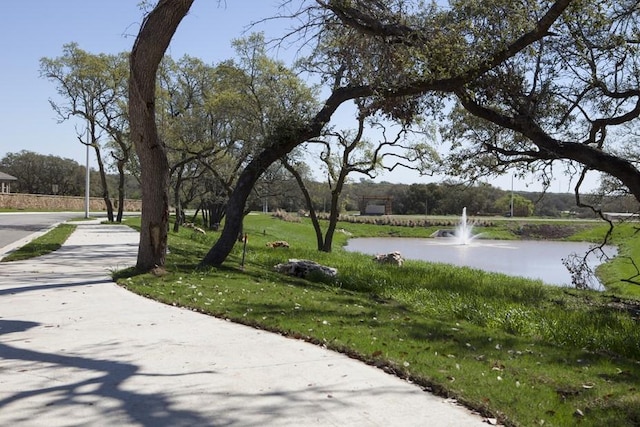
{"x": 42, "y": 174}
{"x": 114, "y": 121}
{"x": 348, "y": 152}
{"x": 86, "y": 82}
{"x": 572, "y": 99}
{"x": 392, "y": 69}
{"x": 151, "y": 43}
{"x": 185, "y": 124}
{"x": 418, "y": 199}
{"x": 521, "y": 206}
{"x": 250, "y": 94}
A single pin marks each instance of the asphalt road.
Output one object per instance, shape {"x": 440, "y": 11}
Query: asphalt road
{"x": 15, "y": 226}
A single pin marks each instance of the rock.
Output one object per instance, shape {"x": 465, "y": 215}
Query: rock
{"x": 303, "y": 268}
{"x": 390, "y": 258}
{"x": 444, "y": 233}
{"x": 194, "y": 227}
{"x": 278, "y": 244}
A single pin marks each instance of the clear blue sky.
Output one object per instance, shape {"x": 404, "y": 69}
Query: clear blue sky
{"x": 33, "y": 29}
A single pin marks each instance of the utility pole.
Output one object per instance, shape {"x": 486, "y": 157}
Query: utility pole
{"x": 511, "y": 212}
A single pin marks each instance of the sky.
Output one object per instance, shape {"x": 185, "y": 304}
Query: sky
{"x": 33, "y": 29}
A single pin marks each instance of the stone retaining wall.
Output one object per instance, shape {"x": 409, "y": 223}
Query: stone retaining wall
{"x": 61, "y": 203}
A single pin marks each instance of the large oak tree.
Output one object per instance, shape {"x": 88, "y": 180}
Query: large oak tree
{"x": 152, "y": 41}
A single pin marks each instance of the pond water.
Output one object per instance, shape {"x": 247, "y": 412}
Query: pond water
{"x": 532, "y": 259}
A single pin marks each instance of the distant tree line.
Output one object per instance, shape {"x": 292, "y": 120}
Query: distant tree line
{"x": 449, "y": 198}
{"x": 49, "y": 174}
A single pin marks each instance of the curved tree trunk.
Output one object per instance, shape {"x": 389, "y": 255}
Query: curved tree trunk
{"x": 153, "y": 39}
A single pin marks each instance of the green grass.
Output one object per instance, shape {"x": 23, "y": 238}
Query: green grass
{"x": 48, "y": 242}
{"x": 622, "y": 274}
{"x": 513, "y": 348}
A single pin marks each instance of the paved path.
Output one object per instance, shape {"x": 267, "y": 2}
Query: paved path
{"x": 78, "y": 350}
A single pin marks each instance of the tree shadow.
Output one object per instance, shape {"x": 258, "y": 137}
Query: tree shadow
{"x": 104, "y": 381}
{"x": 107, "y": 384}
{"x": 44, "y": 287}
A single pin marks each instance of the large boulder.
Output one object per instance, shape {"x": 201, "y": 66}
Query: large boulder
{"x": 303, "y": 268}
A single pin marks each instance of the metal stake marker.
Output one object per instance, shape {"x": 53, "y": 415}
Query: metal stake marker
{"x": 244, "y": 249}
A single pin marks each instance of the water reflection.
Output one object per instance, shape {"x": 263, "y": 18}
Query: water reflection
{"x": 533, "y": 259}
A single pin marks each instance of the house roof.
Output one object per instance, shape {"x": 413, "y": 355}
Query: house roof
{"x": 7, "y": 177}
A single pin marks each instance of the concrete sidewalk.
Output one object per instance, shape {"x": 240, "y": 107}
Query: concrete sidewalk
{"x": 78, "y": 350}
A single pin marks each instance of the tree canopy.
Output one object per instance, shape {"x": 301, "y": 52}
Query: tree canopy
{"x": 525, "y": 84}
{"x": 571, "y": 100}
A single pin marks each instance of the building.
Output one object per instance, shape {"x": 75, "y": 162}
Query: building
{"x": 5, "y": 182}
{"x": 376, "y": 205}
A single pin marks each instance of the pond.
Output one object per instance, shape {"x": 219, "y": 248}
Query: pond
{"x": 532, "y": 259}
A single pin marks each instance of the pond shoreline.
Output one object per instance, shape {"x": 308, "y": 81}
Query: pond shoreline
{"x": 534, "y": 259}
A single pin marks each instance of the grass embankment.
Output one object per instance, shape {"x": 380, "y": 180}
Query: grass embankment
{"x": 47, "y": 243}
{"x": 524, "y": 352}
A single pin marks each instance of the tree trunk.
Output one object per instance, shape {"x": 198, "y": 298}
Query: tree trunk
{"x": 103, "y": 182}
{"x": 215, "y": 214}
{"x": 176, "y": 201}
{"x": 153, "y": 39}
{"x": 333, "y": 215}
{"x": 235, "y": 209}
{"x": 195, "y": 215}
{"x": 307, "y": 198}
{"x": 121, "y": 179}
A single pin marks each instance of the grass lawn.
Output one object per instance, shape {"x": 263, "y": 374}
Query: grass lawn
{"x": 515, "y": 349}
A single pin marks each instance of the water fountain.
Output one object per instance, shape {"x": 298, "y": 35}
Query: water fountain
{"x": 463, "y": 231}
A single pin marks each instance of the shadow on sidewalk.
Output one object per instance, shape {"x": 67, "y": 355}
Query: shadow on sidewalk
{"x": 150, "y": 409}
{"x": 42, "y": 287}
{"x": 102, "y": 385}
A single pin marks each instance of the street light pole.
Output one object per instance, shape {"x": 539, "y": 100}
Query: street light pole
{"x": 511, "y": 213}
